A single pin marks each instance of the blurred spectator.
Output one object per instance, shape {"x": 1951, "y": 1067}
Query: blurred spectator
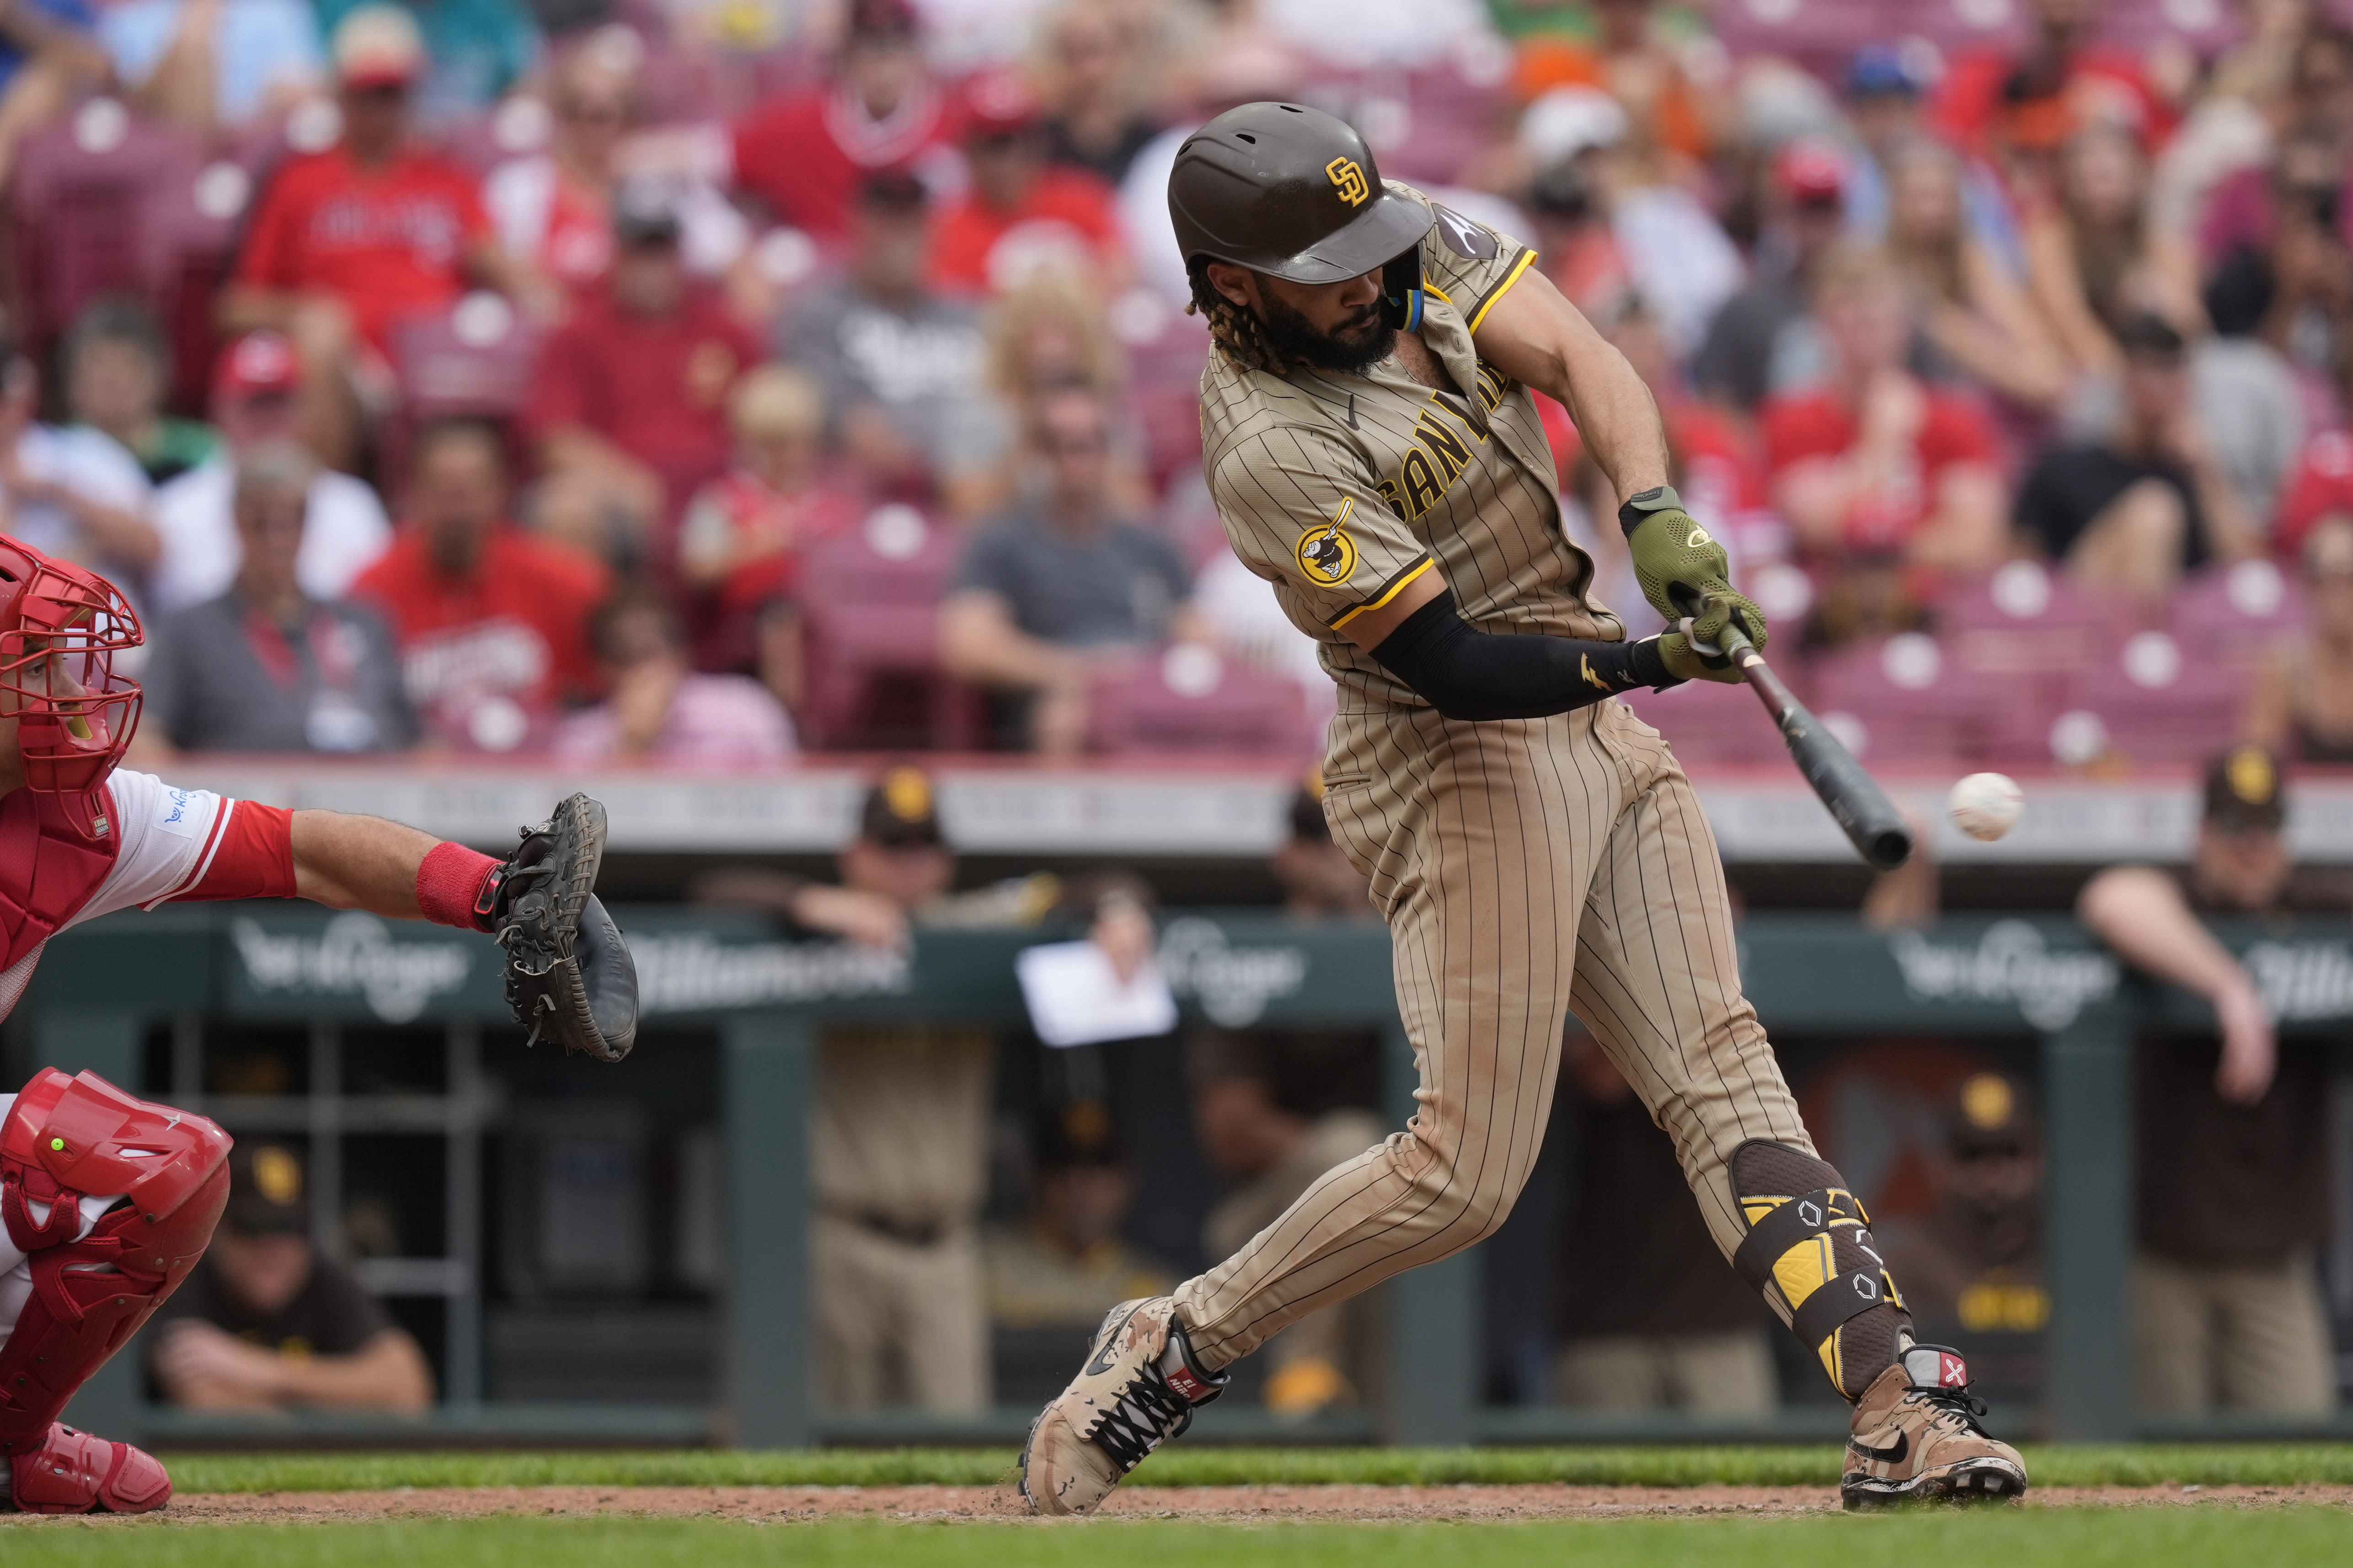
{"x": 2096, "y": 259}
{"x": 265, "y": 667}
{"x": 553, "y": 209}
{"x": 2242, "y": 212}
{"x": 1023, "y": 214}
{"x": 255, "y": 382}
{"x": 1670, "y": 117}
{"x": 1877, "y": 464}
{"x": 740, "y": 541}
{"x": 69, "y": 490}
{"x": 474, "y": 49}
{"x": 1977, "y": 325}
{"x": 629, "y": 406}
{"x": 661, "y": 708}
{"x": 1098, "y": 87}
{"x": 899, "y": 364}
{"x": 269, "y": 1321}
{"x": 1262, "y": 1116}
{"x": 117, "y": 370}
{"x": 1764, "y": 340}
{"x": 345, "y": 243}
{"x": 2233, "y": 1172}
{"x": 1972, "y": 1268}
{"x": 1318, "y": 882}
{"x": 2295, "y": 280}
{"x": 215, "y": 65}
{"x": 1667, "y": 1325}
{"x": 807, "y": 156}
{"x": 2302, "y": 701}
{"x": 493, "y": 623}
{"x": 1067, "y": 1264}
{"x": 1884, "y": 86}
{"x": 900, "y": 1131}
{"x": 2062, "y": 76}
{"x": 2131, "y": 512}
{"x": 1046, "y": 333}
{"x": 47, "y": 53}
{"x": 1658, "y": 232}
{"x": 1048, "y": 597}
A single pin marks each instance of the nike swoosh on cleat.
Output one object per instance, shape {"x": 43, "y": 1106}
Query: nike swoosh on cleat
{"x": 1101, "y": 1362}
{"x": 1889, "y": 1456}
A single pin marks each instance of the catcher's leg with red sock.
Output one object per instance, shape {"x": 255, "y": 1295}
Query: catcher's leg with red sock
{"x": 106, "y": 1203}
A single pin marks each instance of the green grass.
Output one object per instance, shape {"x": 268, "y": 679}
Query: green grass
{"x": 2140, "y": 1538}
{"x": 2252, "y": 1464}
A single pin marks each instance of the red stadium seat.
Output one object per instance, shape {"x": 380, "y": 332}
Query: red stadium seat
{"x": 1189, "y": 698}
{"x": 88, "y": 214}
{"x": 2024, "y": 618}
{"x": 2153, "y": 702}
{"x": 2233, "y": 613}
{"x": 869, "y": 598}
{"x": 1907, "y": 701}
{"x": 474, "y": 361}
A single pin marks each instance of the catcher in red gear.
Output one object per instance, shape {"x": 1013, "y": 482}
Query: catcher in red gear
{"x": 107, "y": 1202}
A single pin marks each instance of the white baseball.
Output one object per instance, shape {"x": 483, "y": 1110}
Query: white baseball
{"x": 1986, "y": 805}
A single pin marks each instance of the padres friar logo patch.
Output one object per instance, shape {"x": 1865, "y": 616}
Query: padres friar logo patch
{"x": 1464, "y": 238}
{"x": 1349, "y": 180}
{"x": 1326, "y": 551}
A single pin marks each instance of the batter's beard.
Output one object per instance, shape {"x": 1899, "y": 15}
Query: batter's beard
{"x": 1295, "y": 339}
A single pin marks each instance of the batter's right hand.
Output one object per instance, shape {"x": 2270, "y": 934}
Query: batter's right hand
{"x": 1722, "y": 607}
{"x": 1685, "y": 662}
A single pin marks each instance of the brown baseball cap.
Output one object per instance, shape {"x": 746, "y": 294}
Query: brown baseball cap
{"x": 1991, "y": 1115}
{"x": 267, "y": 1194}
{"x": 900, "y": 811}
{"x": 2246, "y": 791}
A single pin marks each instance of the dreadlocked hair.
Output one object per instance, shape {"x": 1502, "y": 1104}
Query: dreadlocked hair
{"x": 1233, "y": 328}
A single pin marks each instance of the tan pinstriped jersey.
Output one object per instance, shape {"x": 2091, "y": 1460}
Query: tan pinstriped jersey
{"x": 1341, "y": 490}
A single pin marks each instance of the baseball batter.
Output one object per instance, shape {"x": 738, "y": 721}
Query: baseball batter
{"x": 106, "y": 1201}
{"x": 1372, "y": 440}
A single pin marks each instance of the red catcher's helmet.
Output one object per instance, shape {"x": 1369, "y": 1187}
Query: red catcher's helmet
{"x": 60, "y": 628}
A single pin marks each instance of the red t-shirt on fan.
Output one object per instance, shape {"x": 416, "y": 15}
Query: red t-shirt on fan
{"x": 1822, "y": 425}
{"x": 806, "y": 156}
{"x": 514, "y": 632}
{"x": 389, "y": 242}
{"x": 655, "y": 388}
{"x": 1068, "y": 220}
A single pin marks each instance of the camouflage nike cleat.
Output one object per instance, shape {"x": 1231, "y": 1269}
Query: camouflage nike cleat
{"x": 1139, "y": 1388}
{"x": 1916, "y": 1438}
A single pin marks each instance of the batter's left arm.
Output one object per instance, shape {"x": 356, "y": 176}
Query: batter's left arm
{"x": 1533, "y": 335}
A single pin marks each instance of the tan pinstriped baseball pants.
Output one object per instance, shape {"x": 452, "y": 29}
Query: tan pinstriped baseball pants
{"x": 1527, "y": 868}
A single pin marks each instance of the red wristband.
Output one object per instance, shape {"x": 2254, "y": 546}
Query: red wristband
{"x": 453, "y": 887}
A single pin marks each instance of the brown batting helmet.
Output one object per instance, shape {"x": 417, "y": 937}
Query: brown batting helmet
{"x": 1291, "y": 192}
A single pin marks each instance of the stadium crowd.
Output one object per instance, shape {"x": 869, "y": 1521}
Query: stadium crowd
{"x": 704, "y": 381}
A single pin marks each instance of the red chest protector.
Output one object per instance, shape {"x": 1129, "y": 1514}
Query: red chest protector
{"x": 48, "y": 870}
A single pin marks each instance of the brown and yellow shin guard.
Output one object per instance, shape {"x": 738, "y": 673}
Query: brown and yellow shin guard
{"x": 1809, "y": 1250}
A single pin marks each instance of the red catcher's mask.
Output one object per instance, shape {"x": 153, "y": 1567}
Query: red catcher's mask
{"x": 60, "y": 628}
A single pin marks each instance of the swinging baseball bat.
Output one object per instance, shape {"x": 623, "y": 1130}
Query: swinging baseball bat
{"x": 1877, "y": 830}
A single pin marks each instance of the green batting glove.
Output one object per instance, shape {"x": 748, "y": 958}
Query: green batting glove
{"x": 1675, "y": 559}
{"x": 1685, "y": 662}
{"x": 1722, "y": 607}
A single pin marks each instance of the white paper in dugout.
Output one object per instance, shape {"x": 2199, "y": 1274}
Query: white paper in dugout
{"x": 1076, "y": 999}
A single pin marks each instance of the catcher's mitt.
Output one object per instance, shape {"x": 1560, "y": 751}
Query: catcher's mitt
{"x": 568, "y": 972}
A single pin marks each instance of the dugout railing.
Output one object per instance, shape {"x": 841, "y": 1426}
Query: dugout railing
{"x": 128, "y": 996}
